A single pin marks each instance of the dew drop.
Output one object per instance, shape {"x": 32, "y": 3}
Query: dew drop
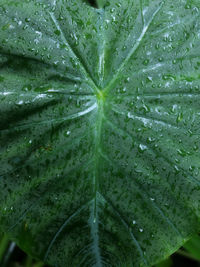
{"x": 27, "y": 19}
{"x": 20, "y": 103}
{"x": 127, "y": 80}
{"x": 67, "y": 133}
{"x": 179, "y": 117}
{"x": 142, "y": 148}
{"x": 146, "y": 62}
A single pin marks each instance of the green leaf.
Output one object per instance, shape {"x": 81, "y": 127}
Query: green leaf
{"x": 193, "y": 247}
{"x": 4, "y": 243}
{"x": 166, "y": 263}
{"x": 99, "y": 119}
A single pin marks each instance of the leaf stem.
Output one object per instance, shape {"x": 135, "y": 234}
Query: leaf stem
{"x": 100, "y": 3}
{"x": 3, "y": 246}
{"x": 7, "y": 254}
{"x": 29, "y": 261}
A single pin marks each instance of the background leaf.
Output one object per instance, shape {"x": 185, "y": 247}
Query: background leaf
{"x": 166, "y": 263}
{"x": 193, "y": 247}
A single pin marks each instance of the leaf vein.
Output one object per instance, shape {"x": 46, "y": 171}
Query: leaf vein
{"x": 62, "y": 228}
{"x": 83, "y": 66}
{"x": 135, "y": 47}
{"x": 135, "y": 241}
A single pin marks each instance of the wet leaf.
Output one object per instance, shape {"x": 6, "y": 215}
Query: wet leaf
{"x": 99, "y": 129}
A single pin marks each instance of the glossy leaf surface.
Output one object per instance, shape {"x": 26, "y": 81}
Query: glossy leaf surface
{"x": 99, "y": 129}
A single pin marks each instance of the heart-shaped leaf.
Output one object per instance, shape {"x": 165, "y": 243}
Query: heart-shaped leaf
{"x": 99, "y": 129}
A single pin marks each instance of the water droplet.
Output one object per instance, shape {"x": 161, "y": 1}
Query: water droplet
{"x": 146, "y": 62}
{"x": 150, "y": 140}
{"x": 176, "y": 169}
{"x": 179, "y": 117}
{"x": 124, "y": 90}
{"x": 127, "y": 80}
{"x": 67, "y": 133}
{"x": 142, "y": 148}
{"x": 112, "y": 10}
{"x": 20, "y": 102}
{"x": 188, "y": 6}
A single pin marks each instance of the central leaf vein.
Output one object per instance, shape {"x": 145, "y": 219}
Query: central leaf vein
{"x": 94, "y": 215}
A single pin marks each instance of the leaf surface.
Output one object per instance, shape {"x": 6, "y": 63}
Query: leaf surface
{"x": 99, "y": 129}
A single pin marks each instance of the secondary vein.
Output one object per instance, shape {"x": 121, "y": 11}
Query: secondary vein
{"x": 134, "y": 48}
{"x": 83, "y": 67}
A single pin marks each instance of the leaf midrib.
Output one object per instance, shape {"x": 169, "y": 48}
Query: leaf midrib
{"x": 97, "y": 134}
